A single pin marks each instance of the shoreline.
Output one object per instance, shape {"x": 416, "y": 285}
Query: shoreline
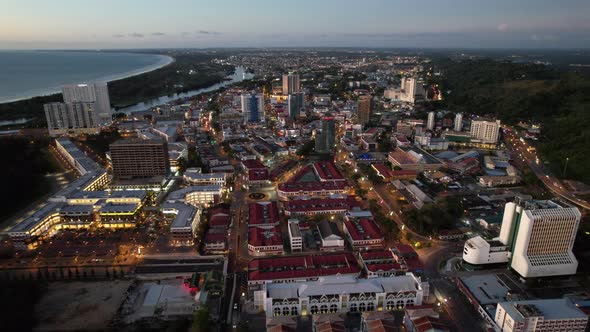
{"x": 166, "y": 61}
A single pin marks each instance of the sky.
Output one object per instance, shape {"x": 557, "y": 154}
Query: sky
{"x": 103, "y": 24}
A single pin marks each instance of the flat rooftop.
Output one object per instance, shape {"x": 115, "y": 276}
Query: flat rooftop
{"x": 552, "y": 309}
{"x": 488, "y": 288}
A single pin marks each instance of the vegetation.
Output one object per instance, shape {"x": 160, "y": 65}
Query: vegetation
{"x": 23, "y": 171}
{"x": 201, "y": 320}
{"x": 100, "y": 142}
{"x": 515, "y": 92}
{"x": 188, "y": 72}
{"x": 434, "y": 216}
{"x": 306, "y": 149}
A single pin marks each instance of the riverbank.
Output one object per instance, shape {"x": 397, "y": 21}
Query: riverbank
{"x": 186, "y": 72}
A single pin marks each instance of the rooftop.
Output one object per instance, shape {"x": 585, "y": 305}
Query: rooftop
{"x": 552, "y": 309}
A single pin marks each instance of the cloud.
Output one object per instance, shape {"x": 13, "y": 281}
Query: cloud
{"x": 185, "y": 34}
{"x": 503, "y": 27}
{"x": 136, "y": 35}
{"x": 158, "y": 34}
{"x": 119, "y": 35}
{"x": 205, "y": 32}
{"x": 537, "y": 37}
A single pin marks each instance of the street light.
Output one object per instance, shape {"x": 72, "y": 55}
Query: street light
{"x": 565, "y": 167}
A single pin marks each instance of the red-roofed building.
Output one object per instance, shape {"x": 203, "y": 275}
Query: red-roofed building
{"x": 263, "y": 242}
{"x": 383, "y": 171}
{"x": 402, "y": 174}
{"x": 327, "y": 171}
{"x": 258, "y": 177}
{"x": 312, "y": 189}
{"x": 219, "y": 217}
{"x": 381, "y": 263}
{"x": 363, "y": 233}
{"x": 407, "y": 257}
{"x": 252, "y": 164}
{"x": 263, "y": 214}
{"x": 300, "y": 268}
{"x": 215, "y": 242}
{"x": 319, "y": 206}
{"x": 428, "y": 324}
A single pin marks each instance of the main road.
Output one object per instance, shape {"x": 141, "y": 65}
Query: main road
{"x": 521, "y": 148}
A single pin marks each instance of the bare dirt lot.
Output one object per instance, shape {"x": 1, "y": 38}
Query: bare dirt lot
{"x": 80, "y": 306}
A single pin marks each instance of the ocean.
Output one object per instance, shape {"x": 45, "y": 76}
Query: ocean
{"x": 26, "y": 74}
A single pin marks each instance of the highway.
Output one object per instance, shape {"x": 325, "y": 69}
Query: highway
{"x": 529, "y": 155}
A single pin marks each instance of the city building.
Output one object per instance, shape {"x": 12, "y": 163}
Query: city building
{"x": 381, "y": 263}
{"x": 364, "y": 109}
{"x": 137, "y": 158}
{"x": 536, "y": 239}
{"x": 97, "y": 93}
{"x": 485, "y": 130}
{"x": 327, "y": 171}
{"x": 197, "y": 195}
{"x": 288, "y": 190}
{"x": 265, "y": 241}
{"x": 458, "y": 125}
{"x": 325, "y": 140}
{"x": 431, "y": 119}
{"x": 193, "y": 176}
{"x": 363, "y": 233}
{"x": 330, "y": 235}
{"x": 339, "y": 294}
{"x": 414, "y": 158}
{"x": 540, "y": 315}
{"x": 253, "y": 108}
{"x": 71, "y": 118}
{"x": 295, "y": 237}
{"x": 296, "y": 104}
{"x": 315, "y": 206}
{"x": 291, "y": 84}
{"x": 186, "y": 218}
{"x": 540, "y": 236}
{"x": 409, "y": 91}
{"x": 263, "y": 214}
{"x": 299, "y": 269}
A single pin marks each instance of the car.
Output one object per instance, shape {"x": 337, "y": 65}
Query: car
{"x": 235, "y": 306}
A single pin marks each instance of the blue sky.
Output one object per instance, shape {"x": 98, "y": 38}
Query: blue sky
{"x": 26, "y": 24}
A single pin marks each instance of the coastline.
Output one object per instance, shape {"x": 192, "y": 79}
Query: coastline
{"x": 166, "y": 60}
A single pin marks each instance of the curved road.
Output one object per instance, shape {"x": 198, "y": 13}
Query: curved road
{"x": 517, "y": 147}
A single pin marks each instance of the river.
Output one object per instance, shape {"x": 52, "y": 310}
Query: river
{"x": 239, "y": 75}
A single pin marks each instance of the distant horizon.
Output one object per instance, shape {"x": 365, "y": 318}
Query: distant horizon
{"x": 133, "y": 24}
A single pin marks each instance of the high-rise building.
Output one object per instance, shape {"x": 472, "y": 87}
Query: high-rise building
{"x": 325, "y": 140}
{"x": 97, "y": 93}
{"x": 430, "y": 122}
{"x": 296, "y": 104}
{"x": 540, "y": 315}
{"x": 137, "y": 158}
{"x": 540, "y": 235}
{"x": 458, "y": 122}
{"x": 253, "y": 108}
{"x": 291, "y": 84}
{"x": 74, "y": 117}
{"x": 485, "y": 130}
{"x": 364, "y": 109}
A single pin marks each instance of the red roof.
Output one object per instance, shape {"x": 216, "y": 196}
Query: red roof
{"x": 382, "y": 169}
{"x": 263, "y": 213}
{"x": 215, "y": 238}
{"x": 258, "y": 175}
{"x": 384, "y": 267}
{"x": 311, "y": 186}
{"x": 259, "y": 237}
{"x": 252, "y": 164}
{"x": 320, "y": 204}
{"x": 219, "y": 217}
{"x": 301, "y": 173}
{"x": 302, "y": 267}
{"x": 379, "y": 254}
{"x": 427, "y": 323}
{"x": 327, "y": 171}
{"x": 362, "y": 229}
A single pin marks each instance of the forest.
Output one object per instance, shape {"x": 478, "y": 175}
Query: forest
{"x": 514, "y": 92}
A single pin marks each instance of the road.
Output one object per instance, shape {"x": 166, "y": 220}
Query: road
{"x": 524, "y": 151}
